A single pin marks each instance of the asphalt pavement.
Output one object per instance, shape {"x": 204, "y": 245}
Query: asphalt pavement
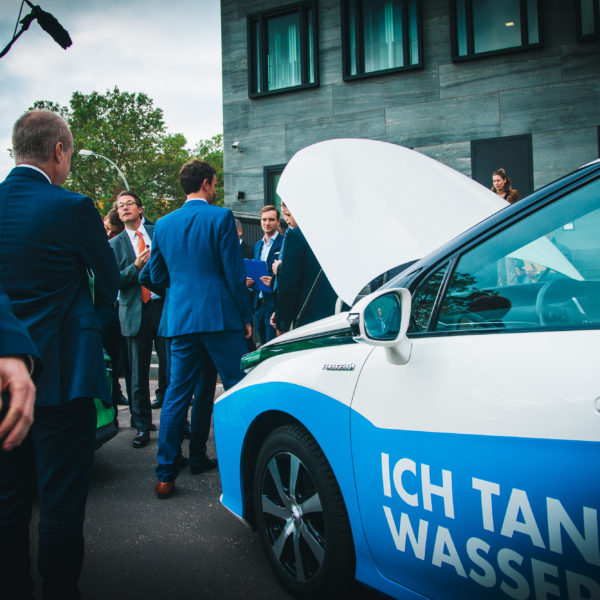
{"x": 187, "y": 547}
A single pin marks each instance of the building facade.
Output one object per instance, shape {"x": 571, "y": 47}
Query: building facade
{"x": 475, "y": 84}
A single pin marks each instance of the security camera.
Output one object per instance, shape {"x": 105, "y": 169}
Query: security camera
{"x": 236, "y": 146}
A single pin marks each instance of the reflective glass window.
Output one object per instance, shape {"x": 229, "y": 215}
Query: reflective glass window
{"x": 589, "y": 18}
{"x": 489, "y": 26}
{"x": 282, "y": 49}
{"x": 542, "y": 272}
{"x": 380, "y": 35}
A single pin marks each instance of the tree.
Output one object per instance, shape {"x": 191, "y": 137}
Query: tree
{"x": 126, "y": 128}
{"x": 211, "y": 151}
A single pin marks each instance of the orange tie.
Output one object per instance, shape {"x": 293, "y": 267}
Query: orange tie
{"x": 141, "y": 248}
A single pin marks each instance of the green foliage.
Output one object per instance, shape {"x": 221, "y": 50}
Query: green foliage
{"x": 211, "y": 151}
{"x": 126, "y": 128}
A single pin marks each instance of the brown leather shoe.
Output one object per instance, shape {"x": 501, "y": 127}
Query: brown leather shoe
{"x": 164, "y": 489}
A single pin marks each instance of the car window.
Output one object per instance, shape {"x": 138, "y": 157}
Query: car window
{"x": 542, "y": 272}
{"x": 423, "y": 301}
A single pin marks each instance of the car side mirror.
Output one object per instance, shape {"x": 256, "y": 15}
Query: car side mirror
{"x": 381, "y": 319}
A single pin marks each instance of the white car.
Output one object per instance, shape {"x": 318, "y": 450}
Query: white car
{"x": 441, "y": 439}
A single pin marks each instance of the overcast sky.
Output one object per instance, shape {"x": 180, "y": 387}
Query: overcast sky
{"x": 168, "y": 50}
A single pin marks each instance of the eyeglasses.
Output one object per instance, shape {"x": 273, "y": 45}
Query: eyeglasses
{"x": 125, "y": 204}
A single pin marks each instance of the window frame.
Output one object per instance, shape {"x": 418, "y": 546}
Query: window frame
{"x": 261, "y": 19}
{"x": 471, "y": 54}
{"x": 590, "y": 36}
{"x": 268, "y": 172}
{"x": 360, "y": 47}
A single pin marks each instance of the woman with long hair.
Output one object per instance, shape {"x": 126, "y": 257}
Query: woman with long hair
{"x": 501, "y": 185}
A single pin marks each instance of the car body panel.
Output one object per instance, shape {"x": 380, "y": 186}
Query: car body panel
{"x": 365, "y": 193}
{"x": 471, "y": 470}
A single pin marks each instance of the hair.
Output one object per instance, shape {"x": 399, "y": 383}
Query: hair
{"x": 128, "y": 193}
{"x": 238, "y": 224}
{"x": 193, "y": 173}
{"x": 268, "y": 208}
{"x": 36, "y": 133}
{"x": 504, "y": 176}
{"x": 112, "y": 216}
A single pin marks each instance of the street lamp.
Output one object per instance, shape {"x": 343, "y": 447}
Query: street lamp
{"x": 83, "y": 152}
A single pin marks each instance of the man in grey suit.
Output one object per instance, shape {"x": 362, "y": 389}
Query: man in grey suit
{"x": 139, "y": 311}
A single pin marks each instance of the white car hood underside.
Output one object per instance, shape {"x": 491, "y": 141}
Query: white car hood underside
{"x": 366, "y": 207}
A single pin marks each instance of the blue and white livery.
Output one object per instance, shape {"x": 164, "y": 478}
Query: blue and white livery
{"x": 441, "y": 439}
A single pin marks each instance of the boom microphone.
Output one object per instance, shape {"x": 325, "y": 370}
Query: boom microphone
{"x": 50, "y": 25}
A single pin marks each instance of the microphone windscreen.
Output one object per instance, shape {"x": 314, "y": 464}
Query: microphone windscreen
{"x": 50, "y": 25}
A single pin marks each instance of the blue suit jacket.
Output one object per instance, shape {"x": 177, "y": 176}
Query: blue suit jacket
{"x": 271, "y": 257}
{"x": 196, "y": 254}
{"x": 296, "y": 275}
{"x": 48, "y": 236}
{"x": 14, "y": 337}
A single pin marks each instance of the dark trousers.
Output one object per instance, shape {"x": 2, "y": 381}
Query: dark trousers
{"x": 56, "y": 457}
{"x": 195, "y": 360}
{"x": 262, "y": 320}
{"x": 140, "y": 355}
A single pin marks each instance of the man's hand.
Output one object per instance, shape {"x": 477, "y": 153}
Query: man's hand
{"x": 142, "y": 259}
{"x": 275, "y": 265}
{"x": 248, "y": 330}
{"x": 266, "y": 279}
{"x": 249, "y": 282}
{"x": 15, "y": 379}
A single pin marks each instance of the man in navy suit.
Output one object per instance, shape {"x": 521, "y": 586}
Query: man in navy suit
{"x": 266, "y": 249}
{"x": 196, "y": 254}
{"x": 45, "y": 265}
{"x": 139, "y": 312}
{"x": 18, "y": 357}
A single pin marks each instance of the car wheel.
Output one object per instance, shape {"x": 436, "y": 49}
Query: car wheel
{"x": 301, "y": 516}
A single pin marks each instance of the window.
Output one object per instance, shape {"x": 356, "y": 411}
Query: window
{"x": 282, "y": 50}
{"x": 424, "y": 299}
{"x": 542, "y": 272}
{"x": 380, "y": 35}
{"x": 490, "y": 27}
{"x": 271, "y": 179}
{"x": 588, "y": 18}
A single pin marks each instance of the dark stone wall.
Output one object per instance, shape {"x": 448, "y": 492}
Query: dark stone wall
{"x": 552, "y": 93}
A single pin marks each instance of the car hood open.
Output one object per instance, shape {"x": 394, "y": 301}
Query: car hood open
{"x": 367, "y": 206}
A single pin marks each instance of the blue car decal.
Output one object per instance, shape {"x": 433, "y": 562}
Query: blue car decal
{"x": 469, "y": 516}
{"x": 327, "y": 419}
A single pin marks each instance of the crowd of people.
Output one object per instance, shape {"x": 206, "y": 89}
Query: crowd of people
{"x": 180, "y": 285}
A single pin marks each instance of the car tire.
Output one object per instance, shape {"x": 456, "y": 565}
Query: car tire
{"x": 301, "y": 516}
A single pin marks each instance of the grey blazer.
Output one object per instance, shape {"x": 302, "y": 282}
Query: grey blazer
{"x": 130, "y": 297}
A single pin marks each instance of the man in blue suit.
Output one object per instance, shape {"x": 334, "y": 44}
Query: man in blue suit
{"x": 266, "y": 249}
{"x": 18, "y": 358}
{"x": 52, "y": 240}
{"x": 196, "y": 254}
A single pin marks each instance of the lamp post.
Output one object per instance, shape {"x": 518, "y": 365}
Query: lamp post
{"x": 83, "y": 152}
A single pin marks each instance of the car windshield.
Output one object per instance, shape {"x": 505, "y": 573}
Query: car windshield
{"x": 543, "y": 271}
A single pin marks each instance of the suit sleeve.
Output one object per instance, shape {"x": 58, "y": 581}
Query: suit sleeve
{"x": 14, "y": 337}
{"x": 289, "y": 282}
{"x": 146, "y": 280}
{"x": 157, "y": 267}
{"x": 233, "y": 266}
{"x": 97, "y": 254}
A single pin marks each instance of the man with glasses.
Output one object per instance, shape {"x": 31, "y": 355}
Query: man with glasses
{"x": 139, "y": 311}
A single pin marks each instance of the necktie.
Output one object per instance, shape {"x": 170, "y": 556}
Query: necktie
{"x": 141, "y": 248}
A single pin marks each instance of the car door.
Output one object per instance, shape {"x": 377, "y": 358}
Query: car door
{"x": 476, "y": 462}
